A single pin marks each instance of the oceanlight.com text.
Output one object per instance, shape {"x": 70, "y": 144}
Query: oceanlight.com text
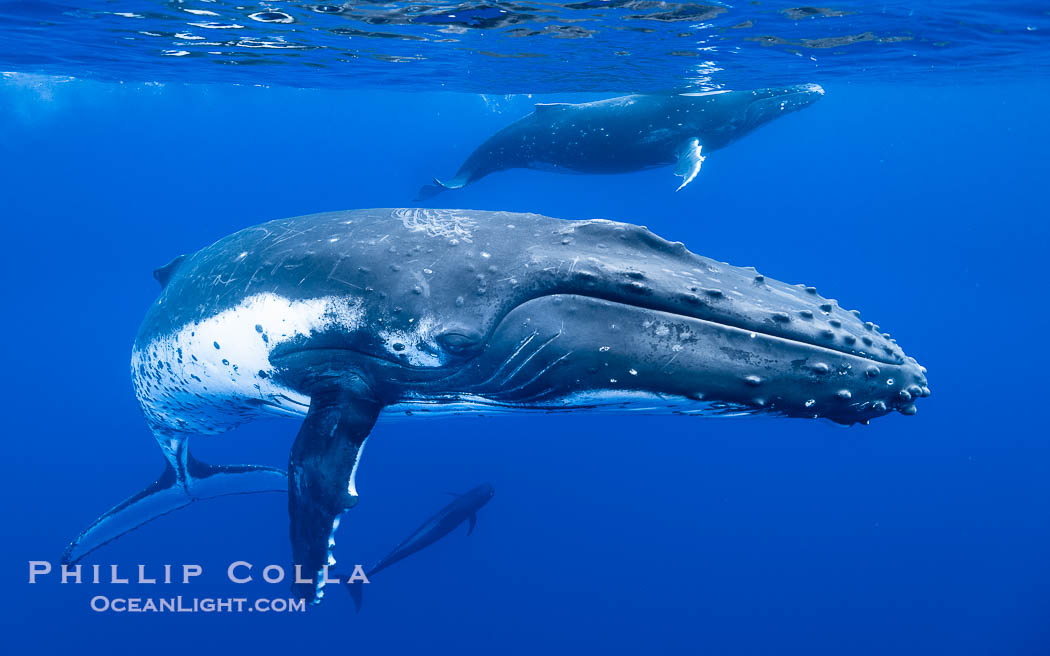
{"x": 180, "y": 604}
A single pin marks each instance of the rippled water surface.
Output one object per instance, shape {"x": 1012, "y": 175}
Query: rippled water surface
{"x": 534, "y": 47}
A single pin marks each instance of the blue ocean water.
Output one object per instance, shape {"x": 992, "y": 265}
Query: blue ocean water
{"x": 914, "y": 190}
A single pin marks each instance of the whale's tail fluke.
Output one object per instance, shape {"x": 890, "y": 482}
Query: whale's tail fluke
{"x": 427, "y": 192}
{"x": 180, "y": 485}
{"x": 431, "y": 190}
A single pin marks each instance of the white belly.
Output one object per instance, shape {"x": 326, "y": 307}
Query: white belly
{"x": 210, "y": 376}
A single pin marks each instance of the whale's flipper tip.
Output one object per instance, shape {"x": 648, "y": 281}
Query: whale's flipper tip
{"x": 168, "y": 494}
{"x": 689, "y": 161}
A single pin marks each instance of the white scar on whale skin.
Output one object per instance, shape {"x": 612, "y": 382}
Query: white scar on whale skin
{"x": 210, "y": 376}
{"x": 446, "y": 224}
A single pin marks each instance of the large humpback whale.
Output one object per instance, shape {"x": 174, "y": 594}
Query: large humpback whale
{"x": 628, "y": 133}
{"x": 341, "y": 317}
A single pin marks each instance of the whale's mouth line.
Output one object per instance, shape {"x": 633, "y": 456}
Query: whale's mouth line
{"x": 452, "y": 368}
{"x": 757, "y": 331}
{"x": 276, "y": 358}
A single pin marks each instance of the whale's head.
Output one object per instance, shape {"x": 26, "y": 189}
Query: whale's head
{"x": 481, "y": 494}
{"x": 764, "y": 105}
{"x": 722, "y": 117}
{"x": 522, "y": 311}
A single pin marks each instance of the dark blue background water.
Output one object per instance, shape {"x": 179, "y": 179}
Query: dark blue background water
{"x": 925, "y": 206}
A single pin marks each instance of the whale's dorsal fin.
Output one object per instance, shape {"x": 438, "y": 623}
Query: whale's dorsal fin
{"x": 163, "y": 274}
{"x": 543, "y": 108}
{"x": 689, "y": 161}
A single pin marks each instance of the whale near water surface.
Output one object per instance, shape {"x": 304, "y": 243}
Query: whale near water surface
{"x": 628, "y": 133}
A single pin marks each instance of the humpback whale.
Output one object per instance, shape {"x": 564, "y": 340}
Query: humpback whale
{"x": 464, "y": 508}
{"x": 342, "y": 317}
{"x": 628, "y": 133}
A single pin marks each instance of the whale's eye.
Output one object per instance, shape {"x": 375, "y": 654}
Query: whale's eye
{"x": 459, "y": 341}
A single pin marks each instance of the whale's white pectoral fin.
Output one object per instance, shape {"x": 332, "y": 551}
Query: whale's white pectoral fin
{"x": 321, "y": 470}
{"x": 689, "y": 161}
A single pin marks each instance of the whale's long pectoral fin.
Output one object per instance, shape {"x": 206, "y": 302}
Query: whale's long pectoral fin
{"x": 689, "y": 161}
{"x": 321, "y": 471}
{"x": 184, "y": 481}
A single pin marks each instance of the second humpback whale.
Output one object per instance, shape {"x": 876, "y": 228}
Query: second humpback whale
{"x": 464, "y": 508}
{"x": 628, "y": 133}
{"x": 339, "y": 318}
